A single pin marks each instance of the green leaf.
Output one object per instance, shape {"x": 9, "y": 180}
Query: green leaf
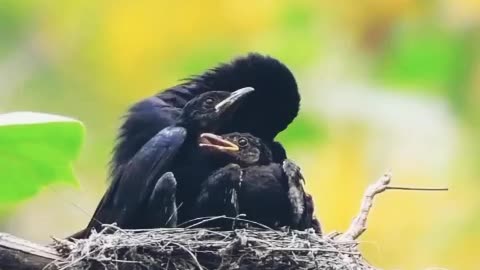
{"x": 36, "y": 149}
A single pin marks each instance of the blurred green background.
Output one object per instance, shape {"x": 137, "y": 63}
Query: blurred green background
{"x": 385, "y": 84}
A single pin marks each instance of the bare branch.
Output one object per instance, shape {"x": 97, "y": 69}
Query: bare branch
{"x": 359, "y": 224}
{"x": 417, "y": 188}
{"x": 16, "y": 253}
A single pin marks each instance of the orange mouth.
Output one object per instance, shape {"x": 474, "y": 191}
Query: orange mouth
{"x": 215, "y": 142}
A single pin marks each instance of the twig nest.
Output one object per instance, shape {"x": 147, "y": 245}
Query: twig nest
{"x": 208, "y": 249}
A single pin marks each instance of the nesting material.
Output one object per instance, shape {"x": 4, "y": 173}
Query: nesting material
{"x": 208, "y": 249}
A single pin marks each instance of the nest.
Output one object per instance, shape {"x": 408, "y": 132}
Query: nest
{"x": 177, "y": 248}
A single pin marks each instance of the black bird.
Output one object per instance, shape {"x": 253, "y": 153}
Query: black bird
{"x": 252, "y": 183}
{"x": 147, "y": 177}
{"x": 264, "y": 113}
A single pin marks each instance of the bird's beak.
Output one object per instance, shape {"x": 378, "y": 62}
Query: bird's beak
{"x": 217, "y": 143}
{"x": 234, "y": 98}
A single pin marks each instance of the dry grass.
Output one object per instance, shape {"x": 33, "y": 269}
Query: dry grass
{"x": 189, "y": 248}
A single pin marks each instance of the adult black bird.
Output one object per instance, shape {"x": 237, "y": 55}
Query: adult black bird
{"x": 264, "y": 113}
{"x": 252, "y": 183}
{"x": 147, "y": 176}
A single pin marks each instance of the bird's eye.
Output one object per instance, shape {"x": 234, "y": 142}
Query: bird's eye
{"x": 209, "y": 101}
{"x": 242, "y": 142}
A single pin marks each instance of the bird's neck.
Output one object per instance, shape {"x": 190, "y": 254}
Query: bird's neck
{"x": 193, "y": 127}
{"x": 183, "y": 122}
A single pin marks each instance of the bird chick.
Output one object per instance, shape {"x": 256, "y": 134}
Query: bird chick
{"x": 252, "y": 184}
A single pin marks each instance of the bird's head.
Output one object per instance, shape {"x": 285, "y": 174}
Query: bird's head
{"x": 209, "y": 110}
{"x": 265, "y": 112}
{"x": 241, "y": 148}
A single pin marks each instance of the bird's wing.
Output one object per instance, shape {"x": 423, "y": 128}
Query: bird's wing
{"x": 296, "y": 191}
{"x": 309, "y": 218}
{"x": 263, "y": 195}
{"x": 301, "y": 202}
{"x": 131, "y": 188}
{"x": 218, "y": 192}
{"x": 142, "y": 122}
{"x": 162, "y": 205}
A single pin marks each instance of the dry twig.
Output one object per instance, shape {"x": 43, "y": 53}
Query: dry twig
{"x": 417, "y": 188}
{"x": 359, "y": 224}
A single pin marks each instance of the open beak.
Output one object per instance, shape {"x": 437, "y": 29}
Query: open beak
{"x": 233, "y": 99}
{"x": 217, "y": 143}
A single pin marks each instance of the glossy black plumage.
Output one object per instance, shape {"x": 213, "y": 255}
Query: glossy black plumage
{"x": 162, "y": 203}
{"x": 264, "y": 113}
{"x": 173, "y": 149}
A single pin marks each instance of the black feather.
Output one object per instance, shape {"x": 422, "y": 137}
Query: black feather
{"x": 266, "y": 112}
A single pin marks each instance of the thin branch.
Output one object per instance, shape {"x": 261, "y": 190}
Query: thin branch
{"x": 359, "y": 224}
{"x": 417, "y": 189}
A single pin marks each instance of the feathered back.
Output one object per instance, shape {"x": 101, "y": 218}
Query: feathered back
{"x": 265, "y": 112}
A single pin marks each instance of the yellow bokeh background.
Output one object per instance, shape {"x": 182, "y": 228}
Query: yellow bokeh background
{"x": 385, "y": 85}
